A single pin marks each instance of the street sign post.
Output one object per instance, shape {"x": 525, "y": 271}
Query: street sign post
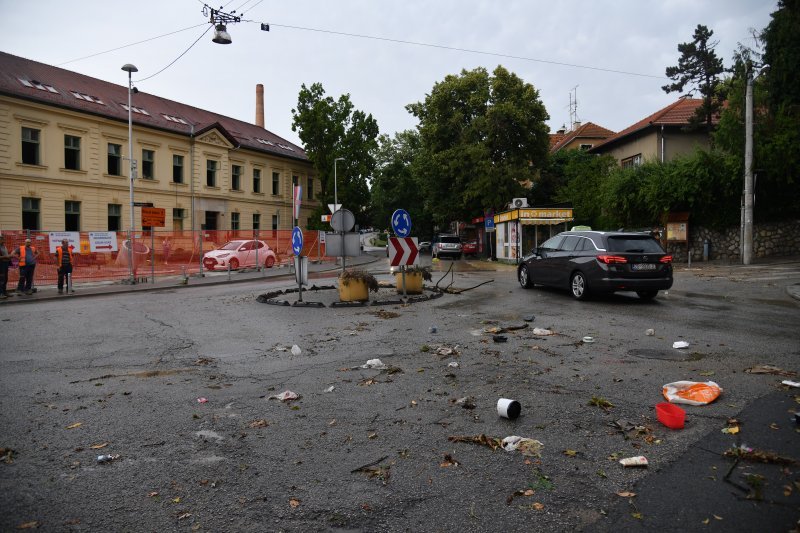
{"x": 401, "y": 223}
{"x": 297, "y": 248}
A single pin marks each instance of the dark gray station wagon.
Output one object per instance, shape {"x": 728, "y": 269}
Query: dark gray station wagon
{"x": 598, "y": 261}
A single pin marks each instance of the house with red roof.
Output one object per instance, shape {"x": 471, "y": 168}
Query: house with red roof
{"x": 581, "y": 137}
{"x": 64, "y": 159}
{"x": 659, "y": 137}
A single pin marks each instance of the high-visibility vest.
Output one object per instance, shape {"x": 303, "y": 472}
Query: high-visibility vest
{"x": 60, "y": 251}
{"x": 22, "y": 254}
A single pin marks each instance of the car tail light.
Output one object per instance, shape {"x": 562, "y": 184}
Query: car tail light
{"x": 666, "y": 259}
{"x": 611, "y": 259}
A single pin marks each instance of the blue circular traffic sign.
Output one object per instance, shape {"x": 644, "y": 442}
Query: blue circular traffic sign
{"x": 297, "y": 240}
{"x": 401, "y": 223}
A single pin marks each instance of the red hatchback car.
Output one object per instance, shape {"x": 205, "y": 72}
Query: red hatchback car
{"x": 470, "y": 248}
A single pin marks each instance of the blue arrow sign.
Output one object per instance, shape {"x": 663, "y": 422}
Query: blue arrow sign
{"x": 401, "y": 223}
{"x": 297, "y": 241}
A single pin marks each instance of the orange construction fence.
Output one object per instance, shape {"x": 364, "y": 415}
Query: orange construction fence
{"x": 154, "y": 253}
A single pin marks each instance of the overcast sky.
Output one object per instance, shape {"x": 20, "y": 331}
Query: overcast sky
{"x": 305, "y": 45}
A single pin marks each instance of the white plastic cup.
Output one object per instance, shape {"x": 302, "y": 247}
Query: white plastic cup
{"x": 508, "y": 408}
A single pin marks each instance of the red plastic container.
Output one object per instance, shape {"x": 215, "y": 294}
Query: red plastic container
{"x": 670, "y": 415}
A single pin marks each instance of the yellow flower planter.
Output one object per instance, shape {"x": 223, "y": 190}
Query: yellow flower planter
{"x": 354, "y": 291}
{"x": 413, "y": 282}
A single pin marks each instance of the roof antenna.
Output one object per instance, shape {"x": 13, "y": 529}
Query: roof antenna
{"x": 573, "y": 107}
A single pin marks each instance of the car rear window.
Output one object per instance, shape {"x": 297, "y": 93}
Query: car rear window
{"x": 634, "y": 244}
{"x": 451, "y": 240}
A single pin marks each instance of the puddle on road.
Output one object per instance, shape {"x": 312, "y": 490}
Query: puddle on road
{"x": 665, "y": 355}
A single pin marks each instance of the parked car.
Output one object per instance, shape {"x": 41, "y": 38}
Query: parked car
{"x": 595, "y": 262}
{"x": 470, "y": 248}
{"x": 424, "y": 246}
{"x": 239, "y": 254}
{"x": 446, "y": 244}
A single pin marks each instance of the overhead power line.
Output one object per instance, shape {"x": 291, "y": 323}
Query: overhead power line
{"x": 468, "y": 50}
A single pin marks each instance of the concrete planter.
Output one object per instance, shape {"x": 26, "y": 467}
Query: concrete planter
{"x": 413, "y": 282}
{"x": 354, "y": 290}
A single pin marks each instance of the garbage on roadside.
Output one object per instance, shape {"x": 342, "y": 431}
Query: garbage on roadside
{"x": 296, "y": 350}
{"x": 795, "y": 384}
{"x": 452, "y": 364}
{"x": 679, "y": 345}
{"x": 529, "y": 318}
{"x": 588, "y": 339}
{"x": 670, "y": 415}
{"x": 285, "y": 396}
{"x": 329, "y": 389}
{"x": 691, "y": 392}
{"x": 639, "y": 460}
{"x": 499, "y": 338}
{"x": 466, "y": 402}
{"x": 507, "y": 408}
{"x": 202, "y": 400}
{"x": 526, "y": 446}
{"x": 650, "y": 332}
{"x": 107, "y": 458}
{"x": 542, "y": 332}
{"x": 375, "y": 364}
{"x": 433, "y": 329}
{"x": 442, "y": 349}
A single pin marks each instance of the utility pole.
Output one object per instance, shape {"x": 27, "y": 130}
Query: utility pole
{"x": 747, "y": 234}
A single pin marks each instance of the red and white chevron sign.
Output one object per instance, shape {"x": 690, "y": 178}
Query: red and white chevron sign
{"x": 403, "y": 251}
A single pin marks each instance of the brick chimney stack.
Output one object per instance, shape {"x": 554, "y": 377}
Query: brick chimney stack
{"x": 260, "y": 105}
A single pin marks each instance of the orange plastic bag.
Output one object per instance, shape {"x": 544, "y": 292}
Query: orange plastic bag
{"x": 691, "y": 392}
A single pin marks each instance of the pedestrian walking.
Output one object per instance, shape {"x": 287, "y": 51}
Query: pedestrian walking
{"x": 5, "y": 262}
{"x": 27, "y": 265}
{"x": 64, "y": 261}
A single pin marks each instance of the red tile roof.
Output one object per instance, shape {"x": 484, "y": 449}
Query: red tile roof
{"x": 555, "y": 138}
{"x": 30, "y": 80}
{"x": 676, "y": 114}
{"x": 586, "y": 131}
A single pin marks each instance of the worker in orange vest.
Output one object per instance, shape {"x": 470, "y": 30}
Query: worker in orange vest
{"x": 64, "y": 260}
{"x": 27, "y": 264}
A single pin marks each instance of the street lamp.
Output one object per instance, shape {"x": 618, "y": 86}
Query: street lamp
{"x": 130, "y": 69}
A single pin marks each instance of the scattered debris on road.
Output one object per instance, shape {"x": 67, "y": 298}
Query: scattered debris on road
{"x": 639, "y": 460}
{"x": 691, "y": 392}
{"x": 285, "y": 396}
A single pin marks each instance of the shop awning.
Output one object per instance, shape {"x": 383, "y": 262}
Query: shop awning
{"x": 544, "y": 221}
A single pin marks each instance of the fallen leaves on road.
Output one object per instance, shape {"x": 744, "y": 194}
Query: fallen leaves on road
{"x": 385, "y": 314}
{"x": 759, "y": 456}
{"x": 184, "y": 516}
{"x": 7, "y": 455}
{"x": 75, "y": 425}
{"x": 769, "y": 369}
{"x": 152, "y": 494}
{"x": 98, "y": 446}
{"x": 570, "y": 453}
{"x": 259, "y": 423}
{"x": 491, "y": 442}
{"x": 448, "y": 461}
{"x": 602, "y": 403}
{"x": 626, "y": 494}
{"x": 29, "y": 525}
{"x": 731, "y": 430}
{"x": 294, "y": 503}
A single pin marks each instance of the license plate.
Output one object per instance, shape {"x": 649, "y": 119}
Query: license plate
{"x": 643, "y": 266}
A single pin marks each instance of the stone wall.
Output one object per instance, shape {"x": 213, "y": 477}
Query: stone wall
{"x": 769, "y": 240}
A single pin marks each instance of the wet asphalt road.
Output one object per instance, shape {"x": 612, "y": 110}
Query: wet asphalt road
{"x": 123, "y": 374}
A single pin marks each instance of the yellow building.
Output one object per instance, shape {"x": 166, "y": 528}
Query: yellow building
{"x": 64, "y": 159}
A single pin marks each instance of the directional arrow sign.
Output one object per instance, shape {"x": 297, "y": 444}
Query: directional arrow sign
{"x": 297, "y": 240}
{"x": 401, "y": 223}
{"x": 403, "y": 251}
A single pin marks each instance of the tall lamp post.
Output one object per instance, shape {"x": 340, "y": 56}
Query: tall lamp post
{"x": 130, "y": 69}
{"x": 747, "y": 234}
{"x": 335, "y": 190}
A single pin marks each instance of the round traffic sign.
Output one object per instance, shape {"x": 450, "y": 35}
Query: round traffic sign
{"x": 343, "y": 220}
{"x": 401, "y": 223}
{"x": 297, "y": 240}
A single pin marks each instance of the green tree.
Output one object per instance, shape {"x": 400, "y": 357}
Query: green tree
{"x": 395, "y": 185}
{"x": 700, "y": 69}
{"x": 574, "y": 176}
{"x": 330, "y": 129}
{"x": 483, "y": 138}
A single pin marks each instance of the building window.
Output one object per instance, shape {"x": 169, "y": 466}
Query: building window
{"x": 274, "y": 221}
{"x": 256, "y": 180}
{"x": 114, "y": 217}
{"x": 211, "y": 173}
{"x": 632, "y": 162}
{"x": 586, "y": 146}
{"x": 148, "y": 164}
{"x": 72, "y": 216}
{"x": 310, "y": 193}
{"x": 177, "y": 219}
{"x": 236, "y": 178}
{"x": 30, "y": 213}
{"x": 276, "y": 183}
{"x": 115, "y": 159}
{"x": 177, "y": 169}
{"x": 72, "y": 152}
{"x": 256, "y": 221}
{"x": 30, "y": 146}
{"x": 234, "y": 221}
